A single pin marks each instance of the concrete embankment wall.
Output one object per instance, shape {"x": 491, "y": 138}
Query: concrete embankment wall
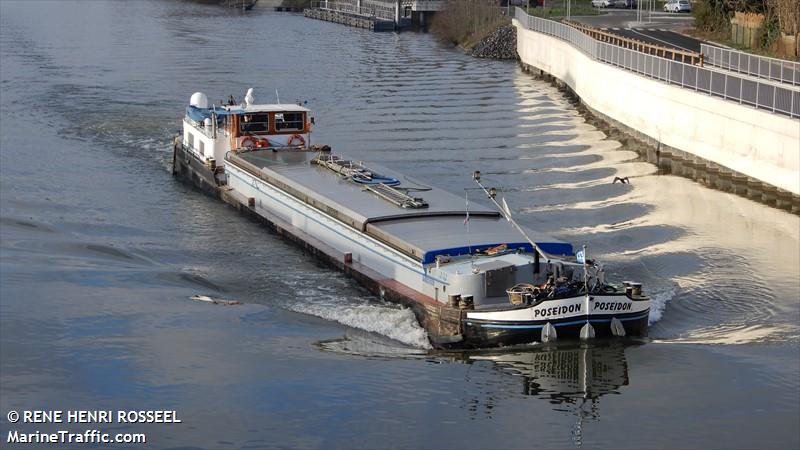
{"x": 756, "y": 143}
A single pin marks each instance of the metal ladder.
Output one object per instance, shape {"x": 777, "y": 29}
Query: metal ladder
{"x": 334, "y": 163}
{"x": 390, "y": 194}
{"x": 397, "y": 197}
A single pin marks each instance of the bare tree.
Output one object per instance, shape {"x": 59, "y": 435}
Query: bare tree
{"x": 465, "y": 22}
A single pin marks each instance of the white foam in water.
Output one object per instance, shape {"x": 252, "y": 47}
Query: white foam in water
{"x": 364, "y": 343}
{"x": 658, "y": 302}
{"x": 395, "y": 323}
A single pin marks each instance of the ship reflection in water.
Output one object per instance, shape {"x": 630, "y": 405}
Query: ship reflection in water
{"x": 571, "y": 377}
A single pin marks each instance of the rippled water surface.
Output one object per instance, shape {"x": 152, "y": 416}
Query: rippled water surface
{"x": 101, "y": 250}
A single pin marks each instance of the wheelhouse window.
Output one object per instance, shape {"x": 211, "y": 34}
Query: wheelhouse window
{"x": 254, "y": 123}
{"x": 289, "y": 121}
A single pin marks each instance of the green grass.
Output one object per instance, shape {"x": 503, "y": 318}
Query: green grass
{"x": 558, "y": 8}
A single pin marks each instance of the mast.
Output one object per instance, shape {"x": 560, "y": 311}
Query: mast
{"x": 492, "y": 193}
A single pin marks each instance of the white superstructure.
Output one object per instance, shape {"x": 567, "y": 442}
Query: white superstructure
{"x": 210, "y": 132}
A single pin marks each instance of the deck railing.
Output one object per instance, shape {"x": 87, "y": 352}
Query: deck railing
{"x": 766, "y": 95}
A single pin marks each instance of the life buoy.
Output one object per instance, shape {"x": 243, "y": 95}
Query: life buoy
{"x": 249, "y": 142}
{"x": 263, "y": 143}
{"x": 299, "y": 138}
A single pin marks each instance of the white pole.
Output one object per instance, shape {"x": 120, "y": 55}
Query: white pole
{"x": 638, "y": 13}
{"x": 466, "y": 222}
{"x": 585, "y": 275}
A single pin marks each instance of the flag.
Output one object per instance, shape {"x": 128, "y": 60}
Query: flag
{"x": 581, "y": 256}
{"x": 506, "y": 210}
{"x": 466, "y": 218}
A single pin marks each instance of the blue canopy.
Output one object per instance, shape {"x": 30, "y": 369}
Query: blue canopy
{"x": 550, "y": 248}
{"x": 201, "y": 114}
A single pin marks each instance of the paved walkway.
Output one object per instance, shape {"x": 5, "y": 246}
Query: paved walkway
{"x": 655, "y": 28}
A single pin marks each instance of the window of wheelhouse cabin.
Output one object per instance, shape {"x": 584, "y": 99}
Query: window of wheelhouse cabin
{"x": 289, "y": 121}
{"x": 254, "y": 123}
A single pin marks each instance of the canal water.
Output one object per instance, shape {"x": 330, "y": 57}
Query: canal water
{"x": 101, "y": 249}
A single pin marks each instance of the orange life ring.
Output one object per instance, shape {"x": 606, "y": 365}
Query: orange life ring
{"x": 263, "y": 143}
{"x": 249, "y": 142}
{"x": 298, "y": 137}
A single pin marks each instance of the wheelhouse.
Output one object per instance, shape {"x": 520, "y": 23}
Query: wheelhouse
{"x": 209, "y": 132}
{"x": 265, "y": 126}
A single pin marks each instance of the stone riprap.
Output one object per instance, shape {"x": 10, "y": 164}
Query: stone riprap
{"x": 502, "y": 44}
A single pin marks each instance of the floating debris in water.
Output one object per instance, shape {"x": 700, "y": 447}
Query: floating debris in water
{"x": 216, "y": 301}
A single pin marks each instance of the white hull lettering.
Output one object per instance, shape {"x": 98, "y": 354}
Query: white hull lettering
{"x": 609, "y": 306}
{"x": 557, "y": 310}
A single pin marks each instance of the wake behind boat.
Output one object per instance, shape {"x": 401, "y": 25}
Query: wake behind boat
{"x": 492, "y": 284}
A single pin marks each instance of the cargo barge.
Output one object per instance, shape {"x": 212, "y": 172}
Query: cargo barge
{"x": 472, "y": 276}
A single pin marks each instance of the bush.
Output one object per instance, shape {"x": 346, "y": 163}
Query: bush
{"x": 466, "y": 22}
{"x": 770, "y": 32}
{"x": 711, "y": 15}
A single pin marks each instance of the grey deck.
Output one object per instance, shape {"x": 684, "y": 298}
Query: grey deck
{"x": 351, "y": 199}
{"x": 425, "y": 237}
{"x": 419, "y": 233}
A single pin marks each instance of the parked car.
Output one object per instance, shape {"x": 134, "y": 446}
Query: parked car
{"x": 677, "y": 6}
{"x": 625, "y": 4}
{"x": 603, "y": 3}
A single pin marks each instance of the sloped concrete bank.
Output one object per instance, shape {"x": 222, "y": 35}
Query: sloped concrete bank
{"x": 728, "y": 146}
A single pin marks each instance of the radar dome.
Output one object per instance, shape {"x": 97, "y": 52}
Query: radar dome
{"x": 199, "y": 100}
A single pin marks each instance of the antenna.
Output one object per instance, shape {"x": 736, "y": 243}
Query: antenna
{"x": 277, "y": 96}
{"x": 492, "y": 193}
{"x": 585, "y": 272}
{"x": 466, "y": 222}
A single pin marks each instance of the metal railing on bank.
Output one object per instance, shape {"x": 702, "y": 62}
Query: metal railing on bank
{"x": 762, "y": 95}
{"x": 787, "y": 72}
{"x": 380, "y": 9}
